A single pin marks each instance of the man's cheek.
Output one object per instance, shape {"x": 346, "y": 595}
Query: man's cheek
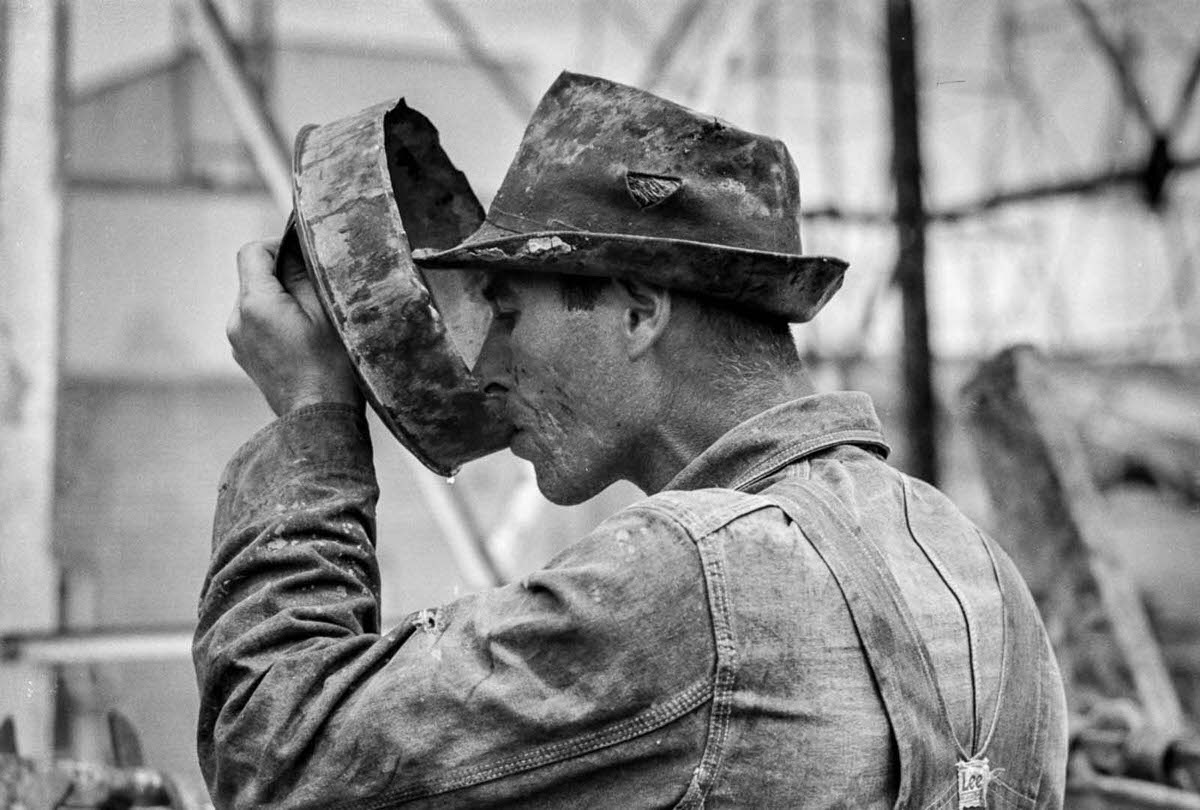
{"x": 541, "y": 380}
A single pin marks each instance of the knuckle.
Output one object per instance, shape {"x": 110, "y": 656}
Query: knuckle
{"x": 251, "y": 311}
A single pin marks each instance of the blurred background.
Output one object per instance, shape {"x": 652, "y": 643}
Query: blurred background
{"x": 1000, "y": 173}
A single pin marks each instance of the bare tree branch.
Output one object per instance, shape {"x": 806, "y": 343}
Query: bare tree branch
{"x": 1093, "y": 184}
{"x": 1090, "y": 184}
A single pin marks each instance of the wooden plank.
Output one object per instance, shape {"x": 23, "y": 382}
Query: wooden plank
{"x": 30, "y": 248}
{"x": 1052, "y": 520}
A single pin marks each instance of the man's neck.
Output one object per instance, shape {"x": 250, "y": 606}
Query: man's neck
{"x": 695, "y": 416}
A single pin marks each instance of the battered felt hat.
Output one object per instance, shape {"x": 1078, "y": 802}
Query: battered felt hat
{"x": 610, "y": 180}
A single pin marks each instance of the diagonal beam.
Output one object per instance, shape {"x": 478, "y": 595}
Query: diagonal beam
{"x": 665, "y": 50}
{"x": 1116, "y": 60}
{"x": 734, "y": 26}
{"x": 1187, "y": 95}
{"x": 496, "y": 71}
{"x": 629, "y": 19}
{"x": 450, "y": 512}
{"x": 254, "y": 123}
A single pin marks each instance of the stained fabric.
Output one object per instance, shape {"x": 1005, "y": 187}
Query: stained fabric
{"x": 694, "y": 650}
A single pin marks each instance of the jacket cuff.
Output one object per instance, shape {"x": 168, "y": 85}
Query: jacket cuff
{"x": 325, "y": 437}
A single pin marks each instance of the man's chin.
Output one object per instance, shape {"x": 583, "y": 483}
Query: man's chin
{"x": 559, "y": 486}
{"x": 559, "y": 495}
{"x": 562, "y": 489}
{"x": 519, "y": 444}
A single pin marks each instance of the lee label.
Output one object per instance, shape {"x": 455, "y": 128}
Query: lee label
{"x": 973, "y": 778}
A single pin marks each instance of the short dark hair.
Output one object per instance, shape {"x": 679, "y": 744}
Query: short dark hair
{"x": 735, "y": 333}
{"x": 581, "y": 292}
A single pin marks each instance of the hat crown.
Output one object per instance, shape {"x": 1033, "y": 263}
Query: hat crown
{"x": 604, "y": 157}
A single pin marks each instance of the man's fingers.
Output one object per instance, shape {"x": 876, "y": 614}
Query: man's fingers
{"x": 256, "y": 268}
{"x": 290, "y": 262}
{"x": 293, "y": 275}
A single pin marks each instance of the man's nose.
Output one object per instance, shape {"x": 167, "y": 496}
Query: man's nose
{"x": 493, "y": 368}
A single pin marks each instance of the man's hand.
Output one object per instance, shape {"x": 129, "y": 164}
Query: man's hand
{"x": 281, "y": 337}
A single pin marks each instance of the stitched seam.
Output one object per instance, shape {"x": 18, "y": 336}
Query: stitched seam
{"x": 870, "y": 555}
{"x": 725, "y": 645}
{"x": 904, "y": 612}
{"x": 972, "y": 651}
{"x": 803, "y": 447}
{"x": 665, "y": 512}
{"x": 1038, "y": 737}
{"x": 1006, "y": 641}
{"x": 1019, "y": 794}
{"x": 698, "y": 527}
{"x": 700, "y": 530}
{"x": 651, "y": 719}
{"x": 942, "y": 796}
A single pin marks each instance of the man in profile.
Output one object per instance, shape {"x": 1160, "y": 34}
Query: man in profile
{"x": 785, "y": 620}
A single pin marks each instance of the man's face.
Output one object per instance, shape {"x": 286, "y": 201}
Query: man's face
{"x": 558, "y": 372}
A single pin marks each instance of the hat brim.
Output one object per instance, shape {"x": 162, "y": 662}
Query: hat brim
{"x": 784, "y": 285}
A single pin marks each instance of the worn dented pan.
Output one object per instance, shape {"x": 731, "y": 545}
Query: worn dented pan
{"x": 367, "y": 190}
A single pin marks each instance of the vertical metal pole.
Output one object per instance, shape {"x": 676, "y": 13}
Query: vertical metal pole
{"x": 919, "y": 406}
{"x": 31, "y": 214}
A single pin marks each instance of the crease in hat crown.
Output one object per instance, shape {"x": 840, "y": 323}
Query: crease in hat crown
{"x": 610, "y": 180}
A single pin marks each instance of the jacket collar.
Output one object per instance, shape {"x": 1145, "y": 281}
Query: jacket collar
{"x": 782, "y": 435}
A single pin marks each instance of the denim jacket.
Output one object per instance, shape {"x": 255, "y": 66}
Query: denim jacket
{"x": 715, "y": 645}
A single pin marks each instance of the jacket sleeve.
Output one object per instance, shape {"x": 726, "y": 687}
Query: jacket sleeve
{"x": 304, "y": 702}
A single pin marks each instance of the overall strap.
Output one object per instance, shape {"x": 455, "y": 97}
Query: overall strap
{"x": 895, "y": 651}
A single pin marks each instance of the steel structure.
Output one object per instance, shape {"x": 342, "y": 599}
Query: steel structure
{"x": 31, "y": 214}
{"x": 737, "y": 59}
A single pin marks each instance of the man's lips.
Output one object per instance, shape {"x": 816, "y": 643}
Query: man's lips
{"x": 515, "y": 413}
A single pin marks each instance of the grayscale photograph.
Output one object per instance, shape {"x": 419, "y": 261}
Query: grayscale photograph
{"x": 691, "y": 404}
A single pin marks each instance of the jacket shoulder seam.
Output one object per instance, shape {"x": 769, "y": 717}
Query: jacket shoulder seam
{"x": 698, "y": 525}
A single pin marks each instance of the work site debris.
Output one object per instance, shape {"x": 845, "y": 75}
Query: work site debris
{"x": 1050, "y": 436}
{"x": 29, "y": 785}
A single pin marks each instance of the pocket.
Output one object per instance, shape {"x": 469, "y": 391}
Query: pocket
{"x": 1002, "y": 795}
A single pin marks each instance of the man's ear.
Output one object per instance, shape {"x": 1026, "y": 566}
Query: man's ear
{"x": 646, "y": 311}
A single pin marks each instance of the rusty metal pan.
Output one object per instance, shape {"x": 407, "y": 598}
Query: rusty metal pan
{"x": 367, "y": 190}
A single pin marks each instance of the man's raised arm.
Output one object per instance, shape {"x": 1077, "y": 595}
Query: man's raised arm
{"x": 520, "y": 691}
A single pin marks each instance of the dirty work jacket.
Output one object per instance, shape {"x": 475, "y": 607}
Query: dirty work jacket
{"x": 695, "y": 650}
